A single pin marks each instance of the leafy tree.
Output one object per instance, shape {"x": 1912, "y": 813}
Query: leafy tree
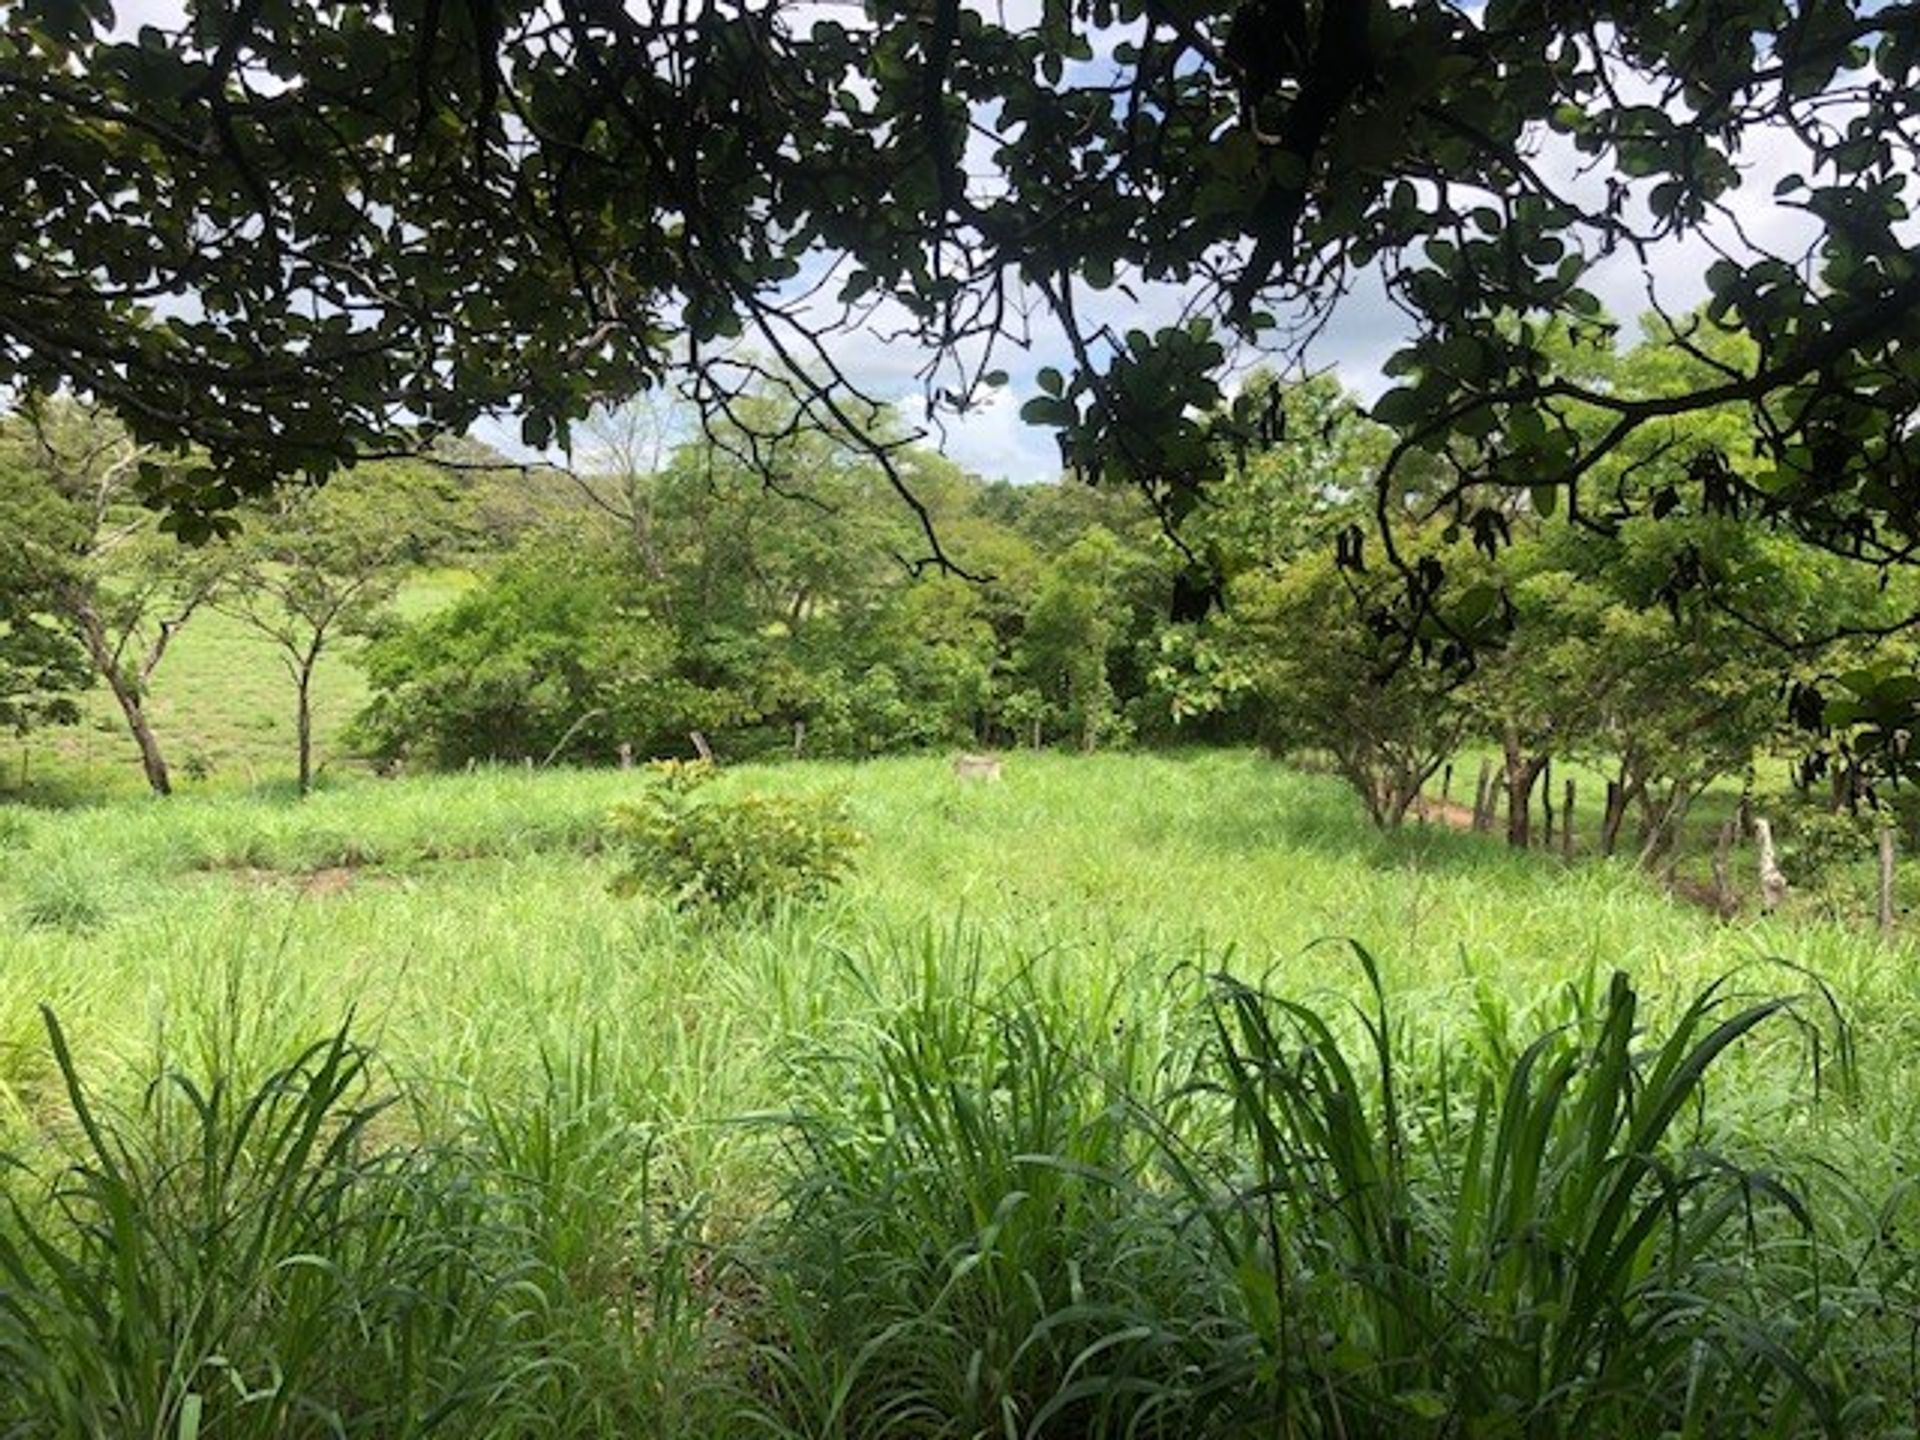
{"x": 1063, "y": 647}
{"x": 315, "y": 566}
{"x": 539, "y": 657}
{"x": 1696, "y": 690}
{"x": 72, "y": 531}
{"x": 1660, "y": 640}
{"x": 1536, "y": 695}
{"x": 41, "y": 666}
{"x": 384, "y": 217}
{"x": 1304, "y": 642}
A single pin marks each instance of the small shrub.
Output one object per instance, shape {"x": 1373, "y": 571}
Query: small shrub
{"x": 67, "y": 891}
{"x": 1817, "y": 841}
{"x": 731, "y": 852}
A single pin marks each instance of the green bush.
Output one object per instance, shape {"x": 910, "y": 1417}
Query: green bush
{"x": 1817, "y": 841}
{"x": 731, "y": 852}
{"x": 67, "y": 889}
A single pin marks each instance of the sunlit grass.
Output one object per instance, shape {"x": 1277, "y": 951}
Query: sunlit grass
{"x": 691, "y": 1111}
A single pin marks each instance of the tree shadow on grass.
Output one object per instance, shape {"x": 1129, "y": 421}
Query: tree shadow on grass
{"x": 1327, "y": 819}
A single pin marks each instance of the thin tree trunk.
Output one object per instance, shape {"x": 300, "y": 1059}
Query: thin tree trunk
{"x": 1566, "y": 823}
{"x": 1483, "y": 798}
{"x": 1662, "y": 840}
{"x": 303, "y": 725}
{"x": 126, "y": 694}
{"x": 1546, "y": 804}
{"x": 152, "y": 761}
{"x": 1620, "y": 794}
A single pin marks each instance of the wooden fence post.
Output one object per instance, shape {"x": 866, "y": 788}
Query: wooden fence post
{"x": 1886, "y": 875}
{"x": 1482, "y": 812}
{"x": 626, "y": 755}
{"x": 1773, "y": 884}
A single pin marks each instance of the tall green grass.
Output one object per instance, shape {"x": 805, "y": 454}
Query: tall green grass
{"x": 273, "y": 1260}
{"x": 990, "y": 1212}
{"x": 1054, "y": 1120}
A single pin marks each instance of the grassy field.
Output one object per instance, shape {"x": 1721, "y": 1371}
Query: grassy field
{"x": 952, "y": 1153}
{"x": 222, "y": 705}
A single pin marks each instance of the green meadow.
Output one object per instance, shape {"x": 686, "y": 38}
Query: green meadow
{"x": 1018, "y": 1132}
{"x": 222, "y": 704}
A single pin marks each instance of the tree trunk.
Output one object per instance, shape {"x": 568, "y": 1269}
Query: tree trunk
{"x": 1483, "y": 798}
{"x": 151, "y": 760}
{"x": 1566, "y": 823}
{"x": 303, "y": 725}
{"x": 1660, "y": 841}
{"x": 1620, "y": 794}
{"x": 1521, "y": 774}
{"x": 126, "y": 694}
{"x": 1546, "y": 804}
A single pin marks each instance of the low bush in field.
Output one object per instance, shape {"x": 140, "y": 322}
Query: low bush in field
{"x": 65, "y": 887}
{"x": 743, "y": 852}
{"x": 1818, "y": 841}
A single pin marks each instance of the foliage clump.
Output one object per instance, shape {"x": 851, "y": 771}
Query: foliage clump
{"x": 726, "y": 852}
{"x": 65, "y": 889}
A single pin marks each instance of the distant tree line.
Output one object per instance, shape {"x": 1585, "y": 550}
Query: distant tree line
{"x": 680, "y": 581}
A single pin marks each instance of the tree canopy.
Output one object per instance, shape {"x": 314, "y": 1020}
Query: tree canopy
{"x": 297, "y": 234}
{"x": 284, "y": 230}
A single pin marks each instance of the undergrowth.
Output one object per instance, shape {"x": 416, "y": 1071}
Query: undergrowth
{"x": 1212, "y": 1212}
